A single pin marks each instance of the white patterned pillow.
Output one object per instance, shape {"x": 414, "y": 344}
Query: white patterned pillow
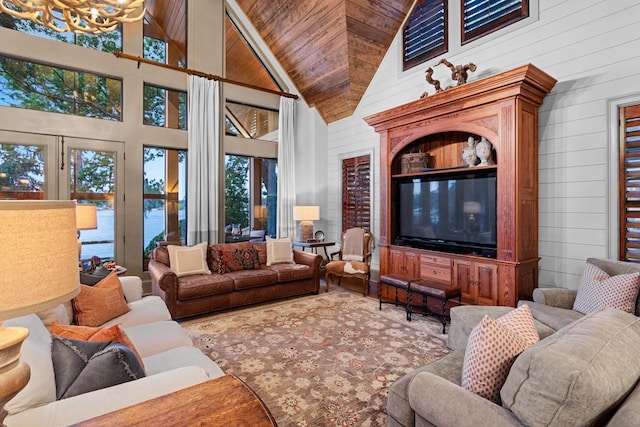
{"x": 598, "y": 290}
{"x": 491, "y": 350}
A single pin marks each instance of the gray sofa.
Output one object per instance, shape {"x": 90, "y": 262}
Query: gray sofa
{"x": 584, "y": 371}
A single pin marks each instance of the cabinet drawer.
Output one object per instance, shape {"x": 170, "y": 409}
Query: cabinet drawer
{"x": 435, "y": 259}
{"x": 435, "y": 272}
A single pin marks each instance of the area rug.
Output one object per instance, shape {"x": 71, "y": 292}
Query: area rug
{"x": 320, "y": 360}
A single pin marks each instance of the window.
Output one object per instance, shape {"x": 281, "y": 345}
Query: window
{"x": 22, "y": 172}
{"x": 34, "y": 86}
{"x": 356, "y": 192}
{"x": 165, "y": 33}
{"x": 424, "y": 35}
{"x": 251, "y": 186}
{"x": 481, "y": 17}
{"x": 630, "y": 183}
{"x": 248, "y": 121}
{"x": 165, "y": 107}
{"x": 106, "y": 42}
{"x": 164, "y": 198}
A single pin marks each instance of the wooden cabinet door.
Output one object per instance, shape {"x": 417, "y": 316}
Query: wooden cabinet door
{"x": 463, "y": 277}
{"x": 486, "y": 281}
{"x": 406, "y": 263}
{"x": 412, "y": 264}
{"x": 396, "y": 261}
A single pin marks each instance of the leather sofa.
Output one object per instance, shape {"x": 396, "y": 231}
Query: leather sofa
{"x": 584, "y": 370}
{"x": 205, "y": 293}
{"x": 171, "y": 363}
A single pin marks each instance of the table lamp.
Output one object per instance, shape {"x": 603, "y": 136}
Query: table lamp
{"x": 306, "y": 215}
{"x": 86, "y": 219}
{"x": 39, "y": 265}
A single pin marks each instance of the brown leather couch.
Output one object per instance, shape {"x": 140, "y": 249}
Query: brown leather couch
{"x": 204, "y": 293}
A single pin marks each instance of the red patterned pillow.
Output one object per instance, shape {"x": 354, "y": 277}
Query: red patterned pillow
{"x": 491, "y": 350}
{"x": 520, "y": 321}
{"x": 598, "y": 290}
{"x": 236, "y": 259}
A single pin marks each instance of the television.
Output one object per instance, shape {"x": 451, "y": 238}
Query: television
{"x": 450, "y": 213}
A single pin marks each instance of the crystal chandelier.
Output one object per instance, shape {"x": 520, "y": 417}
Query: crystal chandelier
{"x": 76, "y": 16}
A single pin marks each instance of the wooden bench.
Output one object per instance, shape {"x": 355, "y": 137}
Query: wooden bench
{"x": 395, "y": 281}
{"x": 440, "y": 291}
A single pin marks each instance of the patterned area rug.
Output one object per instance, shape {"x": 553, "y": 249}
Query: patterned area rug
{"x": 320, "y": 360}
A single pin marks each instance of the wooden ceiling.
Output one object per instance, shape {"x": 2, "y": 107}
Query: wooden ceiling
{"x": 330, "y": 49}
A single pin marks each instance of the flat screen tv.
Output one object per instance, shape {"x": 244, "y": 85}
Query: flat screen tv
{"x": 450, "y": 213}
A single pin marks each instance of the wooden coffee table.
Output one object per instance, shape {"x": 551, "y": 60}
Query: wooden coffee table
{"x": 225, "y": 401}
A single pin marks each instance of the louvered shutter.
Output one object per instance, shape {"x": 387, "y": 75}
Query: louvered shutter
{"x": 480, "y": 17}
{"x": 630, "y": 184}
{"x": 356, "y": 192}
{"x": 425, "y": 33}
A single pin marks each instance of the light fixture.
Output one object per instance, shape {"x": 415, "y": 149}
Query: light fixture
{"x": 260, "y": 214}
{"x": 39, "y": 266}
{"x": 76, "y": 16}
{"x": 86, "y": 219}
{"x": 471, "y": 209}
{"x": 306, "y": 215}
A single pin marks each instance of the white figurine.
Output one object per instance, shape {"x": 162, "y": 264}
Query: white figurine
{"x": 469, "y": 152}
{"x": 484, "y": 150}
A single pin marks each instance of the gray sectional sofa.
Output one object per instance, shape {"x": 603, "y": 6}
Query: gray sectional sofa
{"x": 584, "y": 370}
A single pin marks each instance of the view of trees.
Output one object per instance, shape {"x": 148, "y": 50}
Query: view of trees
{"x": 236, "y": 191}
{"x": 21, "y": 168}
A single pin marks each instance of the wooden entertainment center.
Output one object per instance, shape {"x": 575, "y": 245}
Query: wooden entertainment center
{"x": 503, "y": 109}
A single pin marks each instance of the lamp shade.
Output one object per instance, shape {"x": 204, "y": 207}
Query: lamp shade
{"x": 38, "y": 255}
{"x": 306, "y": 213}
{"x": 86, "y": 217}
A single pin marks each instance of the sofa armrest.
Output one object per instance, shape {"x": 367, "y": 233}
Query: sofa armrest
{"x": 162, "y": 276}
{"x": 441, "y": 402}
{"x": 307, "y": 258}
{"x": 88, "y": 405}
{"x": 132, "y": 288}
{"x": 555, "y": 297}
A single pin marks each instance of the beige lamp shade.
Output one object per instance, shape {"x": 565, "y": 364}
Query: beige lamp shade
{"x": 38, "y": 255}
{"x": 306, "y": 213}
{"x": 86, "y": 217}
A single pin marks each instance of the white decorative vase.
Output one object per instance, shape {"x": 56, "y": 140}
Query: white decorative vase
{"x": 469, "y": 152}
{"x": 484, "y": 150}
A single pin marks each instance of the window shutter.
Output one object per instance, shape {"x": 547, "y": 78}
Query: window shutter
{"x": 356, "y": 192}
{"x": 630, "y": 184}
{"x": 481, "y": 17}
{"x": 425, "y": 33}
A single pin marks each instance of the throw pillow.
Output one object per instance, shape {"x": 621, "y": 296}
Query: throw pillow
{"x": 520, "y": 321}
{"x": 234, "y": 260}
{"x": 491, "y": 350}
{"x": 190, "y": 260}
{"x": 598, "y": 290}
{"x": 279, "y": 251}
{"x": 83, "y": 366}
{"x": 95, "y": 305}
{"x": 90, "y": 333}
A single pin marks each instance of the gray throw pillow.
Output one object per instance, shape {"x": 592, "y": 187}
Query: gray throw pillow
{"x": 84, "y": 366}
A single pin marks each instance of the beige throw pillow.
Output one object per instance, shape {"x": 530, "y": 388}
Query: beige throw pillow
{"x": 279, "y": 251}
{"x": 188, "y": 260}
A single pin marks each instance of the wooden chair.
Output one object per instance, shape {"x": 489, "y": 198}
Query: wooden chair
{"x": 351, "y": 265}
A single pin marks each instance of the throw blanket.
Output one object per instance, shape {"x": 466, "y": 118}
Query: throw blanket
{"x": 353, "y": 249}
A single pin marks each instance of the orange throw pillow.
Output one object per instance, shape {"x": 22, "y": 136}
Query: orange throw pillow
{"x": 98, "y": 304}
{"x": 90, "y": 333}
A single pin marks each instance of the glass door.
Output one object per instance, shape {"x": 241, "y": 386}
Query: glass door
{"x": 91, "y": 172}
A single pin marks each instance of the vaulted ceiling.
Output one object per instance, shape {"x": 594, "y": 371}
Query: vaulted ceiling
{"x": 330, "y": 49}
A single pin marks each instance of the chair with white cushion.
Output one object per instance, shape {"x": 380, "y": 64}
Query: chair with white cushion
{"x": 354, "y": 259}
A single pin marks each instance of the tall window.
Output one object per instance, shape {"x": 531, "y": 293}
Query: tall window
{"x": 630, "y": 183}
{"x": 165, "y": 32}
{"x": 481, "y": 17}
{"x": 424, "y": 35}
{"x": 250, "y": 195}
{"x": 164, "y": 107}
{"x": 356, "y": 192}
{"x": 22, "y": 172}
{"x": 248, "y": 121}
{"x": 34, "y": 86}
{"x": 165, "y": 208}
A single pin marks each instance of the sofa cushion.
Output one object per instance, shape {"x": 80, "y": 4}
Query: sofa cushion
{"x": 145, "y": 338}
{"x": 36, "y": 352}
{"x": 554, "y": 318}
{"x": 261, "y": 248}
{"x": 198, "y": 286}
{"x": 95, "y": 305}
{"x": 83, "y": 366}
{"x": 148, "y": 309}
{"x": 597, "y": 290}
{"x": 279, "y": 251}
{"x": 289, "y": 272}
{"x": 491, "y": 350}
{"x": 189, "y": 260}
{"x": 234, "y": 260}
{"x": 578, "y": 373}
{"x": 245, "y": 279}
{"x": 161, "y": 254}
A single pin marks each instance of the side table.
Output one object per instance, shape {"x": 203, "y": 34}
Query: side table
{"x": 314, "y": 247}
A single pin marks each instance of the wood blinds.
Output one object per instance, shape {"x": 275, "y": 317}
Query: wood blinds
{"x": 629, "y": 183}
{"x": 356, "y": 192}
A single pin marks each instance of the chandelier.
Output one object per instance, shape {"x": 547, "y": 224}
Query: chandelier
{"x": 76, "y": 16}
